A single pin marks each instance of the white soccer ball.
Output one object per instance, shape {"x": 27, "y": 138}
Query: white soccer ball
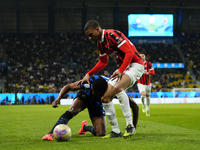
{"x": 62, "y": 132}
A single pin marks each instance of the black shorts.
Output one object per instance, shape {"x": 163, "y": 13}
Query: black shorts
{"x": 93, "y": 104}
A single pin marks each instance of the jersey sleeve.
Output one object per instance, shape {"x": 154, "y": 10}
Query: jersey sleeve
{"x": 124, "y": 45}
{"x": 151, "y": 70}
{"x": 103, "y": 61}
{"x": 128, "y": 56}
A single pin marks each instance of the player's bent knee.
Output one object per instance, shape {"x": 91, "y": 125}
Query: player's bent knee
{"x": 106, "y": 99}
{"x": 118, "y": 89}
{"x": 143, "y": 93}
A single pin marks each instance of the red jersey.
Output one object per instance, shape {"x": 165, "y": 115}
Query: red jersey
{"x": 118, "y": 46}
{"x": 146, "y": 79}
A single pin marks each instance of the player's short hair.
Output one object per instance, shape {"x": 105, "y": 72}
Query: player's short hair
{"x": 91, "y": 24}
{"x": 100, "y": 85}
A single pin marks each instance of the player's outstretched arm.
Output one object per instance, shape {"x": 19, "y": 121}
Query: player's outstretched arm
{"x": 103, "y": 61}
{"x": 69, "y": 87}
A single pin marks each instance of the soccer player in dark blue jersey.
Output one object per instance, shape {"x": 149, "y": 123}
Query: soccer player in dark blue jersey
{"x": 88, "y": 96}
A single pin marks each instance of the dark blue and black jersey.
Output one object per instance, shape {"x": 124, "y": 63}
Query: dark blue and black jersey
{"x": 92, "y": 102}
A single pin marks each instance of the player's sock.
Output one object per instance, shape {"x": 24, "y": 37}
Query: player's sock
{"x": 64, "y": 119}
{"x": 143, "y": 103}
{"x": 148, "y": 106}
{"x": 125, "y": 106}
{"x": 148, "y": 103}
{"x": 143, "y": 100}
{"x": 90, "y": 129}
{"x": 111, "y": 114}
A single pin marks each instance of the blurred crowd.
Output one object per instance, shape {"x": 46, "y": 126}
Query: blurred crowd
{"x": 31, "y": 100}
{"x": 190, "y": 47}
{"x": 38, "y": 63}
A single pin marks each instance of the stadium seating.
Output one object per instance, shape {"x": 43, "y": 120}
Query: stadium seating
{"x": 38, "y": 63}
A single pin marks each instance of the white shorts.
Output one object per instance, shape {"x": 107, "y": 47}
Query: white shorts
{"x": 134, "y": 71}
{"x": 146, "y": 88}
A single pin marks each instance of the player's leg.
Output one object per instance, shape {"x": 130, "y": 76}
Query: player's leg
{"x": 118, "y": 87}
{"x": 99, "y": 126}
{"x": 97, "y": 115}
{"x": 76, "y": 107}
{"x": 128, "y": 79}
{"x": 123, "y": 98}
{"x": 110, "y": 112}
{"x": 148, "y": 106}
{"x": 111, "y": 115}
{"x": 148, "y": 90}
{"x": 124, "y": 103}
{"x": 135, "y": 111}
{"x": 142, "y": 89}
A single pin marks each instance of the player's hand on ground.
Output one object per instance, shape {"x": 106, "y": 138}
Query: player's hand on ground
{"x": 86, "y": 78}
{"x": 116, "y": 75}
{"x": 54, "y": 103}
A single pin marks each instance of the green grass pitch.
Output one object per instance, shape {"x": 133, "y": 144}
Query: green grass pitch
{"x": 170, "y": 127}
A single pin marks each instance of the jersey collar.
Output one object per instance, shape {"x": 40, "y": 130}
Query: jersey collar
{"x": 102, "y": 36}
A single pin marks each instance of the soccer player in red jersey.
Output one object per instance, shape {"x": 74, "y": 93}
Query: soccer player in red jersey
{"x": 144, "y": 84}
{"x": 131, "y": 67}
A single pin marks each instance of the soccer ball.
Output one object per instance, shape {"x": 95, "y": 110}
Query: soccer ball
{"x": 62, "y": 132}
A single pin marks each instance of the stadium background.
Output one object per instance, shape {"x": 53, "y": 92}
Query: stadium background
{"x": 43, "y": 46}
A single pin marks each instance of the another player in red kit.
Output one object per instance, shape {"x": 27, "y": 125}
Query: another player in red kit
{"x": 144, "y": 84}
{"x": 131, "y": 67}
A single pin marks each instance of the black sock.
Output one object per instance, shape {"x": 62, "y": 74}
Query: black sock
{"x": 64, "y": 119}
{"x": 90, "y": 129}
